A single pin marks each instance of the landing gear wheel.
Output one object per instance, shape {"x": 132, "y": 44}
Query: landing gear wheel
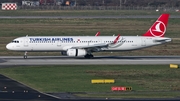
{"x": 88, "y": 56}
{"x": 25, "y": 56}
{"x": 91, "y": 56}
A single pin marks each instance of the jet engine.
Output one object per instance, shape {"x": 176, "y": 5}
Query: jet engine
{"x": 76, "y": 52}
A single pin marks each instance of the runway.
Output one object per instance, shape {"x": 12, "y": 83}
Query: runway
{"x": 97, "y": 60}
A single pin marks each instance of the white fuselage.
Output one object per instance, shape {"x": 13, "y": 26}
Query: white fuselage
{"x": 62, "y": 43}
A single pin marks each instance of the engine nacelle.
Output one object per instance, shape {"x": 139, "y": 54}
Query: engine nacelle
{"x": 76, "y": 52}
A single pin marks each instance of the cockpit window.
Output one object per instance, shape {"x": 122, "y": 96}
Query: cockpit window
{"x": 15, "y": 41}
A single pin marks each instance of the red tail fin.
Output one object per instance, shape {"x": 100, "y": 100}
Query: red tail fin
{"x": 158, "y": 29}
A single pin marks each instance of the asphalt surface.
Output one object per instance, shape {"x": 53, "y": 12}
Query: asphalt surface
{"x": 11, "y": 90}
{"x": 97, "y": 60}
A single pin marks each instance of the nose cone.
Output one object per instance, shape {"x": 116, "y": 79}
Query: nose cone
{"x": 9, "y": 46}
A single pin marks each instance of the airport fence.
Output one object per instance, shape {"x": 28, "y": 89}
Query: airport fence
{"x": 51, "y": 7}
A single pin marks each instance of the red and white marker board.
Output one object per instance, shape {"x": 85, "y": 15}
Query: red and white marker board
{"x": 9, "y": 6}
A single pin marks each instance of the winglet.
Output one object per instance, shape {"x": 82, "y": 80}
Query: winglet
{"x": 97, "y": 34}
{"x": 158, "y": 29}
{"x": 117, "y": 38}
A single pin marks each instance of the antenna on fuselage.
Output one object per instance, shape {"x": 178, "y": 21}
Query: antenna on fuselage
{"x": 26, "y": 35}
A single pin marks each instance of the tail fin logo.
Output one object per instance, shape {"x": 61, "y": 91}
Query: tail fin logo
{"x": 158, "y": 29}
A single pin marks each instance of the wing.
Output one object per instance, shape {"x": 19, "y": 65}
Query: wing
{"x": 96, "y": 47}
{"x": 100, "y": 45}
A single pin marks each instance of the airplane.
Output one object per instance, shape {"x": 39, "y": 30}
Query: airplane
{"x": 75, "y": 46}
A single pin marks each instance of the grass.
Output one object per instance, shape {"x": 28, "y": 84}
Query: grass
{"x": 22, "y": 27}
{"x": 77, "y": 78}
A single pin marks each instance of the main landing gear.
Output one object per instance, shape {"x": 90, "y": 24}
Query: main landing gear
{"x": 25, "y": 55}
{"x": 88, "y": 56}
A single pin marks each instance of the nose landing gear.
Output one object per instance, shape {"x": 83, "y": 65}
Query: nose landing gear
{"x": 25, "y": 55}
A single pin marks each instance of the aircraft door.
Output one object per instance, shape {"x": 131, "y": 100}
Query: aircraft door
{"x": 143, "y": 42}
{"x": 26, "y": 41}
{"x": 89, "y": 42}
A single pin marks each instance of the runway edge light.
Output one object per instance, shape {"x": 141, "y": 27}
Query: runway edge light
{"x": 173, "y": 66}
